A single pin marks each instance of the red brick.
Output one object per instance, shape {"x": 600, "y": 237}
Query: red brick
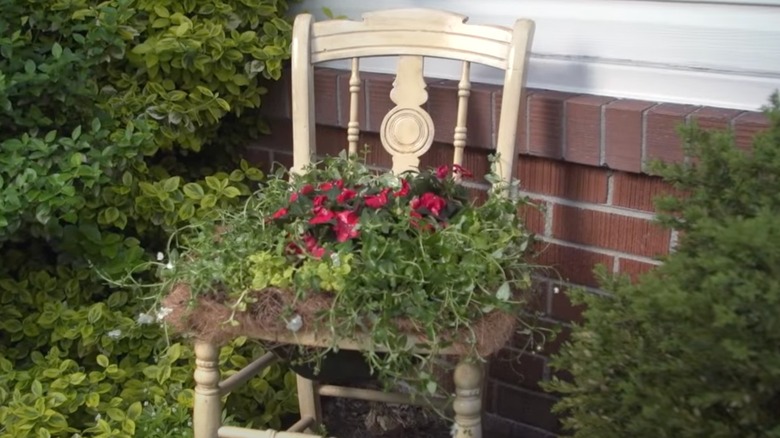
{"x": 714, "y": 118}
{"x": 283, "y": 159}
{"x": 443, "y": 107}
{"x": 746, "y": 126}
{"x": 331, "y": 140}
{"x": 547, "y": 341}
{"x": 662, "y": 140}
{"x": 583, "y": 129}
{"x": 515, "y": 368}
{"x": 521, "y": 140}
{"x": 562, "y": 309}
{"x": 279, "y": 139}
{"x": 637, "y": 191}
{"x": 326, "y": 97}
{"x": 378, "y": 103}
{"x": 533, "y": 217}
{"x": 344, "y": 100}
{"x": 277, "y": 102}
{"x": 526, "y": 407}
{"x": 634, "y": 268}
{"x": 260, "y": 158}
{"x": 609, "y": 230}
{"x": 545, "y": 121}
{"x": 623, "y": 134}
{"x": 571, "y": 264}
{"x": 568, "y": 181}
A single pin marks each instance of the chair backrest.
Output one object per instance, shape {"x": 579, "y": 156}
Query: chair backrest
{"x": 407, "y": 130}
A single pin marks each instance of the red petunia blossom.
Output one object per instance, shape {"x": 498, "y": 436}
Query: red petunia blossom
{"x": 442, "y": 171}
{"x": 325, "y": 186}
{"x": 345, "y": 196}
{"x": 292, "y": 248}
{"x": 404, "y": 190}
{"x": 429, "y": 201}
{"x": 345, "y": 226}
{"x": 282, "y": 212}
{"x": 465, "y": 173}
{"x": 308, "y": 188}
{"x": 377, "y": 201}
{"x": 339, "y": 183}
{"x": 294, "y": 197}
{"x": 319, "y": 200}
{"x": 321, "y": 216}
{"x": 312, "y": 247}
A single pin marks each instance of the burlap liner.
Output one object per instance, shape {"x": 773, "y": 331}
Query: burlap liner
{"x": 205, "y": 319}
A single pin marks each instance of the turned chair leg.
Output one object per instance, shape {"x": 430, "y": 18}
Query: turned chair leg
{"x": 468, "y": 400}
{"x": 207, "y": 412}
{"x": 309, "y": 402}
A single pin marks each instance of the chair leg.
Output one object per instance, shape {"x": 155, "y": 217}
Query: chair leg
{"x": 207, "y": 413}
{"x": 309, "y": 401}
{"x": 468, "y": 399}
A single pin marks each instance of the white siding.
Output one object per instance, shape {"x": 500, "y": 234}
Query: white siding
{"x": 718, "y": 53}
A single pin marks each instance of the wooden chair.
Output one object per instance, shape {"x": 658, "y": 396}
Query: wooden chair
{"x": 406, "y": 133}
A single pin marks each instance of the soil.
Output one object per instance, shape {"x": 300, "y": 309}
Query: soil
{"x": 347, "y": 418}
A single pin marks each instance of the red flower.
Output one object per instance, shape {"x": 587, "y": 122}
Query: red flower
{"x": 311, "y": 245}
{"x": 378, "y": 200}
{"x": 429, "y": 201}
{"x": 345, "y": 226}
{"x": 294, "y": 197}
{"x": 339, "y": 183}
{"x": 345, "y": 196}
{"x": 282, "y": 212}
{"x": 319, "y": 200}
{"x": 321, "y": 216}
{"x": 404, "y": 190}
{"x": 457, "y": 168}
{"x": 325, "y": 186}
{"x": 305, "y": 190}
{"x": 442, "y": 171}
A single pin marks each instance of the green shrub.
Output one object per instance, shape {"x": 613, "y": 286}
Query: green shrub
{"x": 108, "y": 120}
{"x": 691, "y": 350}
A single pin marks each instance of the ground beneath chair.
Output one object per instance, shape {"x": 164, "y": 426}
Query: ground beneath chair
{"x": 346, "y": 418}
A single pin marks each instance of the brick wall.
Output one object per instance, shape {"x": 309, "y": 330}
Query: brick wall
{"x": 581, "y": 157}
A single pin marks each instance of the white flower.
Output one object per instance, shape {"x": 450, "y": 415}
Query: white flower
{"x": 97, "y": 417}
{"x": 454, "y": 430}
{"x": 114, "y": 334}
{"x": 556, "y": 290}
{"x": 295, "y": 323}
{"x": 334, "y": 257}
{"x": 169, "y": 265}
{"x": 145, "y": 318}
{"x": 160, "y": 256}
{"x": 163, "y": 312}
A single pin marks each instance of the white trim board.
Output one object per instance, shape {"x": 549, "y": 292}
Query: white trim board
{"x": 717, "y": 53}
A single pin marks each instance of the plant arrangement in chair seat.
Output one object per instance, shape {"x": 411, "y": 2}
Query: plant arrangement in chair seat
{"x": 402, "y": 265}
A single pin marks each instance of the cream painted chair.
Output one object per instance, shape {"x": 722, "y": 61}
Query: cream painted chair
{"x": 406, "y": 133}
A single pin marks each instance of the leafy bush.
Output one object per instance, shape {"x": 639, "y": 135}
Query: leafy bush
{"x": 103, "y": 106}
{"x": 691, "y": 351}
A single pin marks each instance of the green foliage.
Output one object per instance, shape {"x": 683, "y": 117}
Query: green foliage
{"x": 691, "y": 351}
{"x": 384, "y": 248}
{"x": 103, "y": 106}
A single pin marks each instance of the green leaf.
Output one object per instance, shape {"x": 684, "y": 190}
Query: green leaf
{"x": 161, "y": 11}
{"x": 171, "y": 184}
{"x": 186, "y": 211}
{"x": 214, "y": 183}
{"x": 204, "y": 91}
{"x": 208, "y": 201}
{"x": 193, "y": 191}
{"x": 29, "y": 66}
{"x": 76, "y": 133}
{"x": 504, "y": 292}
{"x": 95, "y": 313}
{"x": 231, "y": 192}
{"x": 56, "y": 50}
{"x": 102, "y": 360}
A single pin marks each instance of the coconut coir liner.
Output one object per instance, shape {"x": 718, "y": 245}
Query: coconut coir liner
{"x": 205, "y": 317}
